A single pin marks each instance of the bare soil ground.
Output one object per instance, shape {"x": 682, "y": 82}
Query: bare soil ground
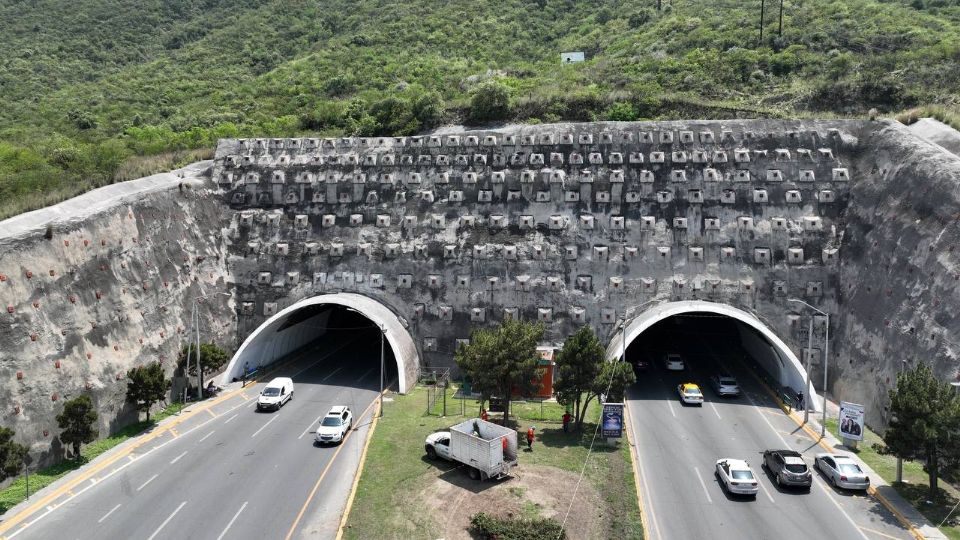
{"x": 452, "y": 498}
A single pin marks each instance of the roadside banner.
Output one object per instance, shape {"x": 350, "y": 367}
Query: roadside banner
{"x": 612, "y": 422}
{"x": 851, "y": 421}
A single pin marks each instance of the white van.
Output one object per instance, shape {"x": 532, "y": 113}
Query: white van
{"x": 275, "y": 394}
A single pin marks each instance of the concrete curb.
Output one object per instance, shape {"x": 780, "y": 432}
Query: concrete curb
{"x": 359, "y": 473}
{"x": 636, "y": 472}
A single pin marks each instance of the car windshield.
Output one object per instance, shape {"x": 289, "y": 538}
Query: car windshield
{"x": 850, "y": 468}
{"x": 796, "y": 468}
{"x": 692, "y": 391}
{"x": 741, "y": 475}
{"x": 728, "y": 382}
{"x": 271, "y": 392}
{"x": 331, "y": 421}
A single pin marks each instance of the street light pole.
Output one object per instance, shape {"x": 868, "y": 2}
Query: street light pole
{"x": 806, "y": 387}
{"x": 826, "y": 359}
{"x": 903, "y": 364}
{"x": 383, "y": 333}
{"x": 196, "y": 322}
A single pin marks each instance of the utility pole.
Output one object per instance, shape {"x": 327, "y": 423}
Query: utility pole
{"x": 806, "y": 387}
{"x": 903, "y": 364}
{"x": 383, "y": 332}
{"x": 780, "y": 29}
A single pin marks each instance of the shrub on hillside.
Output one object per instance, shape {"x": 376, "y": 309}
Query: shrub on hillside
{"x": 489, "y": 102}
{"x": 485, "y": 526}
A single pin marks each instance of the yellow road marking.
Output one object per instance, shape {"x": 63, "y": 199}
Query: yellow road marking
{"x": 820, "y": 440}
{"x": 316, "y": 486}
{"x": 70, "y": 493}
{"x": 83, "y": 476}
{"x": 356, "y": 479}
{"x": 636, "y": 474}
{"x": 174, "y": 433}
{"x": 212, "y": 413}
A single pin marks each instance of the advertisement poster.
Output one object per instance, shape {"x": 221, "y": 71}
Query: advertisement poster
{"x": 612, "y": 421}
{"x": 851, "y": 421}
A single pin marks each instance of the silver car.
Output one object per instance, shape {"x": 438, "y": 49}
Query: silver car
{"x": 725, "y": 385}
{"x": 842, "y": 471}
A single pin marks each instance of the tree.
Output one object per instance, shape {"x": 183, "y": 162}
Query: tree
{"x": 501, "y": 359}
{"x": 490, "y": 101}
{"x": 147, "y": 385}
{"x": 212, "y": 358}
{"x": 12, "y": 454}
{"x": 579, "y": 363}
{"x": 925, "y": 423}
{"x": 78, "y": 422}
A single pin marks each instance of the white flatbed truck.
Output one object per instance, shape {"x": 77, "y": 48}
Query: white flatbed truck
{"x": 487, "y": 449}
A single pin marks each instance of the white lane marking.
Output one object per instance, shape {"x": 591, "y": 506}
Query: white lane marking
{"x": 147, "y": 482}
{"x": 332, "y": 373}
{"x": 105, "y": 516}
{"x": 176, "y": 459}
{"x": 670, "y": 404}
{"x": 364, "y": 376}
{"x": 826, "y": 489}
{"x": 235, "y": 516}
{"x": 93, "y": 480}
{"x": 264, "y": 426}
{"x": 759, "y": 412}
{"x": 310, "y": 426}
{"x": 164, "y": 524}
{"x": 207, "y": 435}
{"x": 649, "y": 500}
{"x": 252, "y": 403}
{"x": 231, "y": 418}
{"x": 703, "y": 485}
{"x": 714, "y": 407}
{"x": 324, "y": 357}
{"x": 765, "y": 492}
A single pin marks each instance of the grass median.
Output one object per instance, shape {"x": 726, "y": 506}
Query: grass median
{"x": 915, "y": 487}
{"x": 389, "y": 501}
{"x": 16, "y": 492}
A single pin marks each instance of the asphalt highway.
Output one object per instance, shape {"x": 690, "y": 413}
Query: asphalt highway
{"x": 234, "y": 472}
{"x": 677, "y": 447}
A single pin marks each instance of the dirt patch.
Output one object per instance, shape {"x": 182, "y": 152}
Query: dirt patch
{"x": 534, "y": 491}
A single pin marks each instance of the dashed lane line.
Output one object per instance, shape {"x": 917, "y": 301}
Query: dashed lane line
{"x": 164, "y": 524}
{"x": 176, "y": 459}
{"x": 231, "y": 418}
{"x": 143, "y": 485}
{"x": 310, "y": 425}
{"x": 264, "y": 426}
{"x": 235, "y": 516}
{"x": 207, "y": 435}
{"x": 105, "y": 516}
{"x": 703, "y": 485}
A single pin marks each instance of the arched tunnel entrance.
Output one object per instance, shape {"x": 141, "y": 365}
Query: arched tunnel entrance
{"x": 711, "y": 339}
{"x": 346, "y": 327}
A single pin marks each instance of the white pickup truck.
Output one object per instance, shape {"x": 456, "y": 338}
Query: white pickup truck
{"x": 488, "y": 450}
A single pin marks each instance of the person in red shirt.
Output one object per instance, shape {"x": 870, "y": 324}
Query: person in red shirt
{"x": 483, "y": 414}
{"x": 530, "y": 437}
{"x": 566, "y": 421}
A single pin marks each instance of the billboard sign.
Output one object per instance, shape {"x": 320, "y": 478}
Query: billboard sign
{"x": 851, "y": 421}
{"x": 612, "y": 421}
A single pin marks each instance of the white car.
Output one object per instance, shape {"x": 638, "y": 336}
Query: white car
{"x": 673, "y": 362}
{"x": 737, "y": 477}
{"x": 438, "y": 445}
{"x": 690, "y": 393}
{"x": 335, "y": 425}
{"x": 275, "y": 394}
{"x": 842, "y": 471}
{"x": 725, "y": 385}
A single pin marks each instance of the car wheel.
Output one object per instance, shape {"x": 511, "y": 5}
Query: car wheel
{"x": 431, "y": 453}
{"x": 474, "y": 473}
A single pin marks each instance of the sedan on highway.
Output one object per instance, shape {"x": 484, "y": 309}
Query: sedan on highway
{"x": 842, "y": 471}
{"x": 673, "y": 362}
{"x": 335, "y": 425}
{"x": 725, "y": 385}
{"x": 690, "y": 393}
{"x": 737, "y": 477}
{"x": 787, "y": 468}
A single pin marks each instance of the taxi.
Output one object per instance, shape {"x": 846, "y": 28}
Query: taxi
{"x": 690, "y": 393}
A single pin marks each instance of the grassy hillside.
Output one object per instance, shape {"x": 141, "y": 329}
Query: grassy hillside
{"x": 99, "y": 90}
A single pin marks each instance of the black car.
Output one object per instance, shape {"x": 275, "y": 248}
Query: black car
{"x": 787, "y": 468}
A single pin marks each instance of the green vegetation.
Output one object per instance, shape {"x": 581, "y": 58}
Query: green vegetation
{"x": 924, "y": 424}
{"x": 395, "y": 471}
{"x": 487, "y": 527}
{"x": 914, "y": 488}
{"x": 11, "y": 454}
{"x": 146, "y": 385}
{"x": 502, "y": 359}
{"x": 91, "y": 86}
{"x": 78, "y": 422}
{"x": 16, "y": 492}
{"x": 581, "y": 369}
{"x": 212, "y": 358}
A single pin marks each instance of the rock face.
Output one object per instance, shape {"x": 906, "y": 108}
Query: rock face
{"x": 566, "y": 224}
{"x": 108, "y": 286}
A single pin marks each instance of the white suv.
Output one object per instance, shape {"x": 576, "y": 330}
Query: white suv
{"x": 335, "y": 425}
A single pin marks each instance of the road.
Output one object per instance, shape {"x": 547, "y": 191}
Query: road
{"x": 233, "y": 472}
{"x": 677, "y": 447}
